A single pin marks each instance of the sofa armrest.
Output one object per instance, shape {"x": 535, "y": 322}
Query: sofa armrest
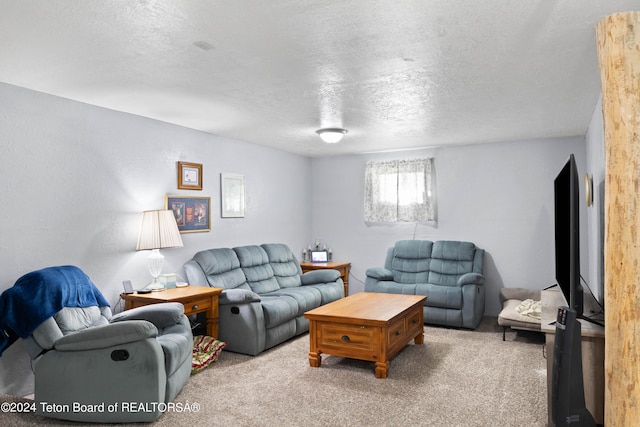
{"x": 471, "y": 279}
{"x": 162, "y": 315}
{"x": 319, "y": 276}
{"x": 379, "y": 273}
{"x": 195, "y": 275}
{"x": 107, "y": 336}
{"x": 237, "y": 296}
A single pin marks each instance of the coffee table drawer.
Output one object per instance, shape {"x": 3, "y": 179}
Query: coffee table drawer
{"x": 347, "y": 337}
{"x": 414, "y": 320}
{"x": 404, "y": 328}
{"x": 396, "y": 331}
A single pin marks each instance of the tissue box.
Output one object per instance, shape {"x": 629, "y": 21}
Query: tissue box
{"x": 168, "y": 280}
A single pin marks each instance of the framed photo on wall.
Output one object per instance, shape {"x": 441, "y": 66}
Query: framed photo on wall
{"x": 232, "y": 195}
{"x": 193, "y": 214}
{"x": 189, "y": 176}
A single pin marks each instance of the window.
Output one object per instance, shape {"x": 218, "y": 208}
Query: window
{"x": 399, "y": 191}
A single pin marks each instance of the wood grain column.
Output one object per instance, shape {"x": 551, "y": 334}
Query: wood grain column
{"x": 618, "y": 38}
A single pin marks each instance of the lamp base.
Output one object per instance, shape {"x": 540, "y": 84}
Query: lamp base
{"x": 155, "y": 286}
{"x": 155, "y": 259}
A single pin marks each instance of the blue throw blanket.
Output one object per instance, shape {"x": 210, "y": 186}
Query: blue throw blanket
{"x": 38, "y": 295}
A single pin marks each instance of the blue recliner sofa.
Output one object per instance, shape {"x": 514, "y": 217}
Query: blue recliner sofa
{"x": 449, "y": 273}
{"x": 265, "y": 294}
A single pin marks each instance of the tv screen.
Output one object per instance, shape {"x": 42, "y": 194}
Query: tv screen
{"x": 567, "y": 235}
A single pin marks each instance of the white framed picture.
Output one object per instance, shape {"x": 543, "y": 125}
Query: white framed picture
{"x": 232, "y": 195}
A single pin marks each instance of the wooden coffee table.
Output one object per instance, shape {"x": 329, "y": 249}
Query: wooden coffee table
{"x": 366, "y": 326}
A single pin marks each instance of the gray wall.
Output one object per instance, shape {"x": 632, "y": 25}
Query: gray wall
{"x": 499, "y": 196}
{"x": 75, "y": 179}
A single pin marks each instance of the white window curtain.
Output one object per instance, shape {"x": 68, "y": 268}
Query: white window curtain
{"x": 400, "y": 191}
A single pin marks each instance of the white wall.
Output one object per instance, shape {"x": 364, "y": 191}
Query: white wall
{"x": 499, "y": 196}
{"x": 75, "y": 178}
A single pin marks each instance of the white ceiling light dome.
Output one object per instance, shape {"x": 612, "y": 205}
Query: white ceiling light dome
{"x": 331, "y": 135}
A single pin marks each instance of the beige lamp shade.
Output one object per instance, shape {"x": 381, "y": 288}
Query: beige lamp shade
{"x": 159, "y": 230}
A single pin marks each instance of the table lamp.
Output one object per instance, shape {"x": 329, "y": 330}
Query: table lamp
{"x": 159, "y": 230}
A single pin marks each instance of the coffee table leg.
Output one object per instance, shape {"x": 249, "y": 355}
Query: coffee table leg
{"x": 419, "y": 339}
{"x": 315, "y": 359}
{"x": 381, "y": 369}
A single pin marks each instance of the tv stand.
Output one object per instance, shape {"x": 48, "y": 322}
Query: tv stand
{"x": 592, "y": 338}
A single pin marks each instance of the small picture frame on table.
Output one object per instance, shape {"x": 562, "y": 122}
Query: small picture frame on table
{"x": 189, "y": 176}
{"x": 319, "y": 255}
{"x": 193, "y": 214}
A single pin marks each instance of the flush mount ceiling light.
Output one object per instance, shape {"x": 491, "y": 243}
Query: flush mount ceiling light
{"x": 331, "y": 135}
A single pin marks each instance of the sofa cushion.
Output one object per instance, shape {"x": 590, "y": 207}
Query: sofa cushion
{"x": 329, "y": 292}
{"x": 389, "y": 287}
{"x": 510, "y": 316}
{"x": 440, "y": 296}
{"x": 410, "y": 262}
{"x": 222, "y": 268}
{"x": 307, "y": 297}
{"x": 450, "y": 260}
{"x": 285, "y": 265}
{"x": 71, "y": 319}
{"x": 278, "y": 309}
{"x": 255, "y": 265}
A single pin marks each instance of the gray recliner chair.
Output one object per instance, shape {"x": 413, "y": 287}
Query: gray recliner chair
{"x": 90, "y": 366}
{"x": 139, "y": 357}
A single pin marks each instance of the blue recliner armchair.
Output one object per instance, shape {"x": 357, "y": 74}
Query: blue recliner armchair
{"x": 89, "y": 364}
{"x": 449, "y": 273}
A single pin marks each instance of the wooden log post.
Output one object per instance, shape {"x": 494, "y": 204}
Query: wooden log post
{"x": 618, "y": 39}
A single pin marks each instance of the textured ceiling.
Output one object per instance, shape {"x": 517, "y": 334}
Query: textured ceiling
{"x": 396, "y": 74}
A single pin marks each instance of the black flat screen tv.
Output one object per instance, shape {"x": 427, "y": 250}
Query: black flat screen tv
{"x": 567, "y": 235}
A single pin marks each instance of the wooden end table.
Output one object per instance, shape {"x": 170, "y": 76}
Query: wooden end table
{"x": 342, "y": 267}
{"x": 366, "y": 326}
{"x": 196, "y": 299}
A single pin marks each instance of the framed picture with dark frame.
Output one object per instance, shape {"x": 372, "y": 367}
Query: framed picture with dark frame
{"x": 189, "y": 176}
{"x": 193, "y": 214}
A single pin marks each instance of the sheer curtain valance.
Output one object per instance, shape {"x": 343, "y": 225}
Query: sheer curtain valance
{"x": 400, "y": 191}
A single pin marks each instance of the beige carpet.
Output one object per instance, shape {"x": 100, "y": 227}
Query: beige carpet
{"x": 456, "y": 378}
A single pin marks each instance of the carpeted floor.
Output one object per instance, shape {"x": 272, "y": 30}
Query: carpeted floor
{"x": 456, "y": 378}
